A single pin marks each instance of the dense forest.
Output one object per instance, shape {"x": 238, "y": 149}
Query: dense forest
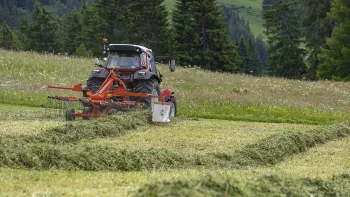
{"x": 304, "y": 39}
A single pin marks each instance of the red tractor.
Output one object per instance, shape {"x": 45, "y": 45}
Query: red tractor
{"x": 128, "y": 78}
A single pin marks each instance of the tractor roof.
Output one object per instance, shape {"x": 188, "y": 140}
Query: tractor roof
{"x": 127, "y": 47}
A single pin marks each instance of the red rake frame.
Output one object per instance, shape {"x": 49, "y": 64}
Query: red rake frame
{"x": 102, "y": 98}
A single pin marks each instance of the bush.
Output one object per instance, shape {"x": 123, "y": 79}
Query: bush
{"x": 82, "y": 51}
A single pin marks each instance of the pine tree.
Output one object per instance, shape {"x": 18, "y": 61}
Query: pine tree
{"x": 73, "y": 4}
{"x": 43, "y": 32}
{"x": 282, "y": 23}
{"x": 236, "y": 24}
{"x": 6, "y": 37}
{"x": 151, "y": 25}
{"x": 186, "y": 40}
{"x": 243, "y": 52}
{"x": 8, "y": 13}
{"x": 25, "y": 20}
{"x": 336, "y": 57}
{"x": 254, "y": 65}
{"x": 116, "y": 20}
{"x": 72, "y": 31}
{"x": 317, "y": 27}
{"x": 207, "y": 42}
{"x": 267, "y": 3}
{"x": 92, "y": 31}
{"x": 262, "y": 51}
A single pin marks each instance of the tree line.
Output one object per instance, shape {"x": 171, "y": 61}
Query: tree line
{"x": 308, "y": 38}
{"x": 12, "y": 11}
{"x": 305, "y": 38}
{"x": 197, "y": 33}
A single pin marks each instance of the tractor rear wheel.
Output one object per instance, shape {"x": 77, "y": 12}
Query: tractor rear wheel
{"x": 148, "y": 87}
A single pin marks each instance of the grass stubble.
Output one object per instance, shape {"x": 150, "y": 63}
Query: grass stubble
{"x": 63, "y": 148}
{"x": 67, "y": 147}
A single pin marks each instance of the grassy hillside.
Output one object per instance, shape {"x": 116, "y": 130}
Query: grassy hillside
{"x": 249, "y": 9}
{"x": 202, "y": 94}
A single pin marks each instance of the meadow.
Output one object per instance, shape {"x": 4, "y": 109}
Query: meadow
{"x": 24, "y": 78}
{"x": 235, "y": 135}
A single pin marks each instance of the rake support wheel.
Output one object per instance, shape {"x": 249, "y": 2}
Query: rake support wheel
{"x": 87, "y": 110}
{"x": 69, "y": 114}
{"x": 173, "y": 107}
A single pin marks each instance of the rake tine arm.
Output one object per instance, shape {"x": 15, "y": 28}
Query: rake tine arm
{"x": 76, "y": 88}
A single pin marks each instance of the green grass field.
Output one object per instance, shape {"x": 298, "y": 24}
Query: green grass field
{"x": 249, "y": 9}
{"x": 24, "y": 78}
{"x": 235, "y": 133}
{"x": 187, "y": 136}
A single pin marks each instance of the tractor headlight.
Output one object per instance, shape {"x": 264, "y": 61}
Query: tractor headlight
{"x": 142, "y": 73}
{"x": 89, "y": 93}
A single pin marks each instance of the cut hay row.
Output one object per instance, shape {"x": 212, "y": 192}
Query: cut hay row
{"x": 66, "y": 156}
{"x": 72, "y": 132}
{"x": 275, "y": 148}
{"x": 271, "y": 185}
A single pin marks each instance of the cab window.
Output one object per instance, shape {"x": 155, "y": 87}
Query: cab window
{"x": 130, "y": 60}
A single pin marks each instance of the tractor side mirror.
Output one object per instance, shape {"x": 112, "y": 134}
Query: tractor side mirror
{"x": 97, "y": 63}
{"x": 172, "y": 65}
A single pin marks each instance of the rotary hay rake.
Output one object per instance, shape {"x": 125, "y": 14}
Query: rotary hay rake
{"x": 111, "y": 98}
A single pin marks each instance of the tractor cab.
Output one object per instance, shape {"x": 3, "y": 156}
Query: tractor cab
{"x": 129, "y": 57}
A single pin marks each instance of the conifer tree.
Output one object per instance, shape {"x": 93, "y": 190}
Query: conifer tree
{"x": 91, "y": 31}
{"x": 117, "y": 19}
{"x": 243, "y": 52}
{"x": 254, "y": 66}
{"x": 72, "y": 31}
{"x": 186, "y": 39}
{"x": 237, "y": 25}
{"x": 283, "y": 30}
{"x": 43, "y": 33}
{"x": 150, "y": 25}
{"x": 317, "y": 27}
{"x": 208, "y": 43}
{"x": 262, "y": 51}
{"x": 266, "y": 4}
{"x": 336, "y": 57}
{"x": 6, "y": 37}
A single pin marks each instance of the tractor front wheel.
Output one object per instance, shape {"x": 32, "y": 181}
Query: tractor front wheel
{"x": 148, "y": 87}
